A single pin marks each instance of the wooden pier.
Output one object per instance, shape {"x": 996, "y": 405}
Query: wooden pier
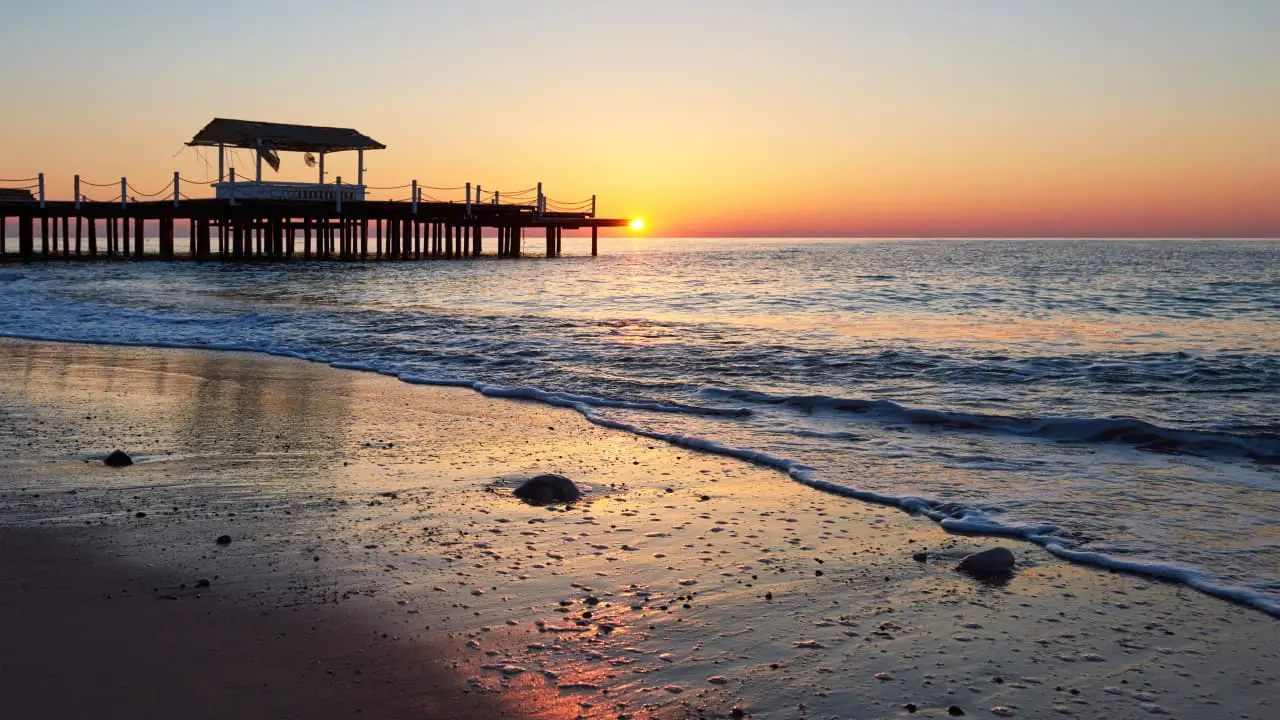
{"x": 261, "y": 220}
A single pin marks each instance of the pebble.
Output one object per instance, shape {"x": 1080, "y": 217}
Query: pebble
{"x": 224, "y": 540}
{"x": 1002, "y": 711}
{"x": 993, "y": 561}
{"x": 717, "y": 680}
{"x": 117, "y": 458}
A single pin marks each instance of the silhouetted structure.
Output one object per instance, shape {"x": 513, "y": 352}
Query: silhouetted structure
{"x": 273, "y": 220}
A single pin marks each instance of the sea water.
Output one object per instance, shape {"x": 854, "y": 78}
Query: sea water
{"x": 1117, "y": 402}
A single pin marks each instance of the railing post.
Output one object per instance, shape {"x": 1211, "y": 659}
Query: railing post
{"x": 124, "y": 193}
{"x": 541, "y": 207}
{"x": 40, "y": 178}
{"x": 77, "y": 192}
{"x": 414, "y": 194}
{"x": 337, "y": 192}
{"x": 593, "y": 206}
{"x": 497, "y": 196}
{"x": 175, "y": 189}
{"x": 468, "y": 199}
{"x": 231, "y": 192}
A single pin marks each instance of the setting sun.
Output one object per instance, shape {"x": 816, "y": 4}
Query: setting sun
{"x": 637, "y": 224}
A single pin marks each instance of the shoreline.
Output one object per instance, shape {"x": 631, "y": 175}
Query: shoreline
{"x": 401, "y": 489}
{"x": 980, "y": 526}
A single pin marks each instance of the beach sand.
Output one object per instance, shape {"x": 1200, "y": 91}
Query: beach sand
{"x": 379, "y": 567}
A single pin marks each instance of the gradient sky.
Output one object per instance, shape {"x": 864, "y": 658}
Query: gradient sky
{"x": 706, "y": 117}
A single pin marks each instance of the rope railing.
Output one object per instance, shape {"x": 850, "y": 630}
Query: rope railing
{"x": 138, "y": 192}
{"x": 524, "y": 197}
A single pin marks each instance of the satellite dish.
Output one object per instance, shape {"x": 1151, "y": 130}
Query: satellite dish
{"x": 309, "y": 159}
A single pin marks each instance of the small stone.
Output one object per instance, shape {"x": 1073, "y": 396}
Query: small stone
{"x": 717, "y": 680}
{"x": 202, "y": 583}
{"x": 994, "y": 561}
{"x": 921, "y": 556}
{"x": 139, "y": 514}
{"x": 737, "y": 711}
{"x": 548, "y": 488}
{"x": 224, "y": 540}
{"x": 883, "y": 676}
{"x": 1002, "y": 711}
{"x": 910, "y": 707}
{"x": 955, "y": 711}
{"x": 118, "y": 458}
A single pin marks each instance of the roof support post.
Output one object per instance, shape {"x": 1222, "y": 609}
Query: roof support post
{"x": 542, "y": 208}
{"x": 258, "y": 178}
{"x": 468, "y": 199}
{"x": 124, "y": 198}
{"x": 593, "y": 206}
{"x": 77, "y": 197}
{"x": 414, "y": 195}
{"x": 40, "y": 178}
{"x": 321, "y": 167}
{"x": 337, "y": 193}
{"x": 360, "y": 167}
{"x": 222, "y": 160}
{"x": 175, "y": 189}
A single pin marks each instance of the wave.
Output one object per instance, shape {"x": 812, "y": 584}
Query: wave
{"x": 1260, "y": 446}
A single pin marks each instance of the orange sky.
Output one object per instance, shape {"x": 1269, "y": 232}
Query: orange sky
{"x": 811, "y": 117}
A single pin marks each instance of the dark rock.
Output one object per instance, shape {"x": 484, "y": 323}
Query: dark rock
{"x": 910, "y": 707}
{"x": 548, "y": 488}
{"x": 202, "y": 583}
{"x": 118, "y": 458}
{"x": 955, "y": 711}
{"x": 224, "y": 539}
{"x": 921, "y": 556}
{"x": 139, "y": 514}
{"x": 995, "y": 561}
{"x": 737, "y": 711}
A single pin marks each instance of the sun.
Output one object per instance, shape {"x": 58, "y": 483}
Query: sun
{"x": 637, "y": 224}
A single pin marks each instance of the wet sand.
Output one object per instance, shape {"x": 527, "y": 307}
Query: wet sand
{"x": 379, "y": 567}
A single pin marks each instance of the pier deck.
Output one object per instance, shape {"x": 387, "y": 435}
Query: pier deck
{"x": 281, "y": 229}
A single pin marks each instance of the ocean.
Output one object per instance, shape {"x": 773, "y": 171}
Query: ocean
{"x": 1116, "y": 402}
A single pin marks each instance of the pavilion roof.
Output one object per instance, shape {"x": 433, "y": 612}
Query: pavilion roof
{"x": 283, "y": 136}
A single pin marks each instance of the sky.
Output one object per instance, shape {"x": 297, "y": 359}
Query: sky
{"x": 860, "y": 118}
